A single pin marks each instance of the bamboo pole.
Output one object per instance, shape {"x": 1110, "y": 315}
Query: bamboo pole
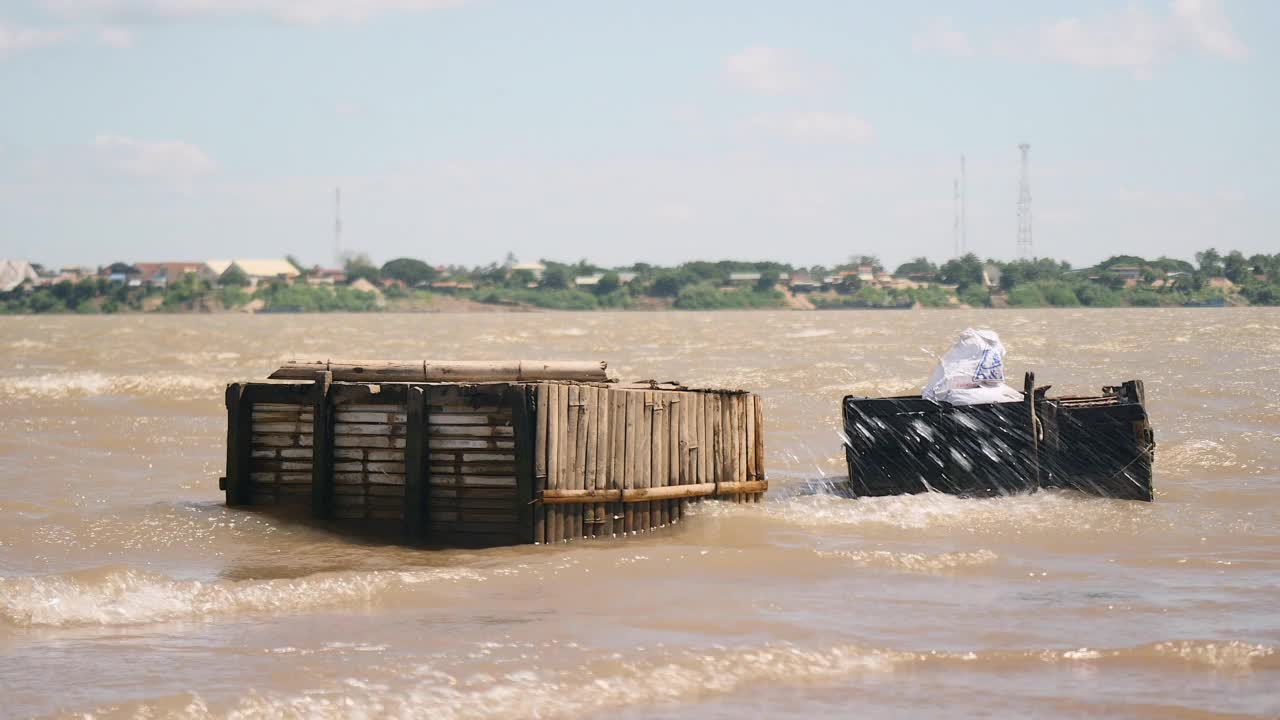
{"x": 644, "y": 457}
{"x": 688, "y": 437}
{"x": 674, "y": 406}
{"x": 635, "y": 403}
{"x": 448, "y": 371}
{"x": 740, "y": 440}
{"x": 644, "y": 495}
{"x": 717, "y": 430}
{"x": 618, "y": 437}
{"x": 573, "y": 528}
{"x": 658, "y": 469}
{"x": 603, "y": 447}
{"x": 588, "y": 453}
{"x": 555, "y": 418}
{"x": 759, "y": 443}
{"x": 707, "y": 441}
{"x": 749, "y": 418}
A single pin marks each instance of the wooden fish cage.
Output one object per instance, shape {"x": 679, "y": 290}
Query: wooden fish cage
{"x": 1101, "y": 445}
{"x": 487, "y": 453}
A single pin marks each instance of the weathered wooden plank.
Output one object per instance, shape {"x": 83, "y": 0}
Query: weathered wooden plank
{"x": 367, "y": 441}
{"x": 359, "y": 396}
{"x": 277, "y": 393}
{"x": 345, "y": 428}
{"x": 417, "y": 477}
{"x": 444, "y": 418}
{"x": 437, "y": 443}
{"x": 449, "y": 371}
{"x": 390, "y": 415}
{"x": 474, "y": 431}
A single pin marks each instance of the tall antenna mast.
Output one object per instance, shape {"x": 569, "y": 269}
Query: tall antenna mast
{"x": 337, "y": 226}
{"x": 964, "y": 221}
{"x": 955, "y": 222}
{"x": 1025, "y": 247}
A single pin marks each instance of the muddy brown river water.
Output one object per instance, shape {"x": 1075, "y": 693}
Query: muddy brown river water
{"x": 127, "y": 589}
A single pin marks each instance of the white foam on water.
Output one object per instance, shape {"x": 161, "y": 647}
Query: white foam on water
{"x": 125, "y": 596}
{"x": 1041, "y": 511}
{"x": 810, "y": 333}
{"x": 90, "y": 384}
{"x": 912, "y": 562}
{"x": 652, "y": 678}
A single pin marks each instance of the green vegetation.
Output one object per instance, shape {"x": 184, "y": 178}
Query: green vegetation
{"x": 1118, "y": 281}
{"x": 706, "y": 296}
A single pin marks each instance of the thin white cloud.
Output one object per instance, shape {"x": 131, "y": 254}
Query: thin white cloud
{"x": 774, "y": 71}
{"x": 154, "y": 159}
{"x": 816, "y": 127}
{"x": 1131, "y": 39}
{"x": 14, "y": 39}
{"x": 293, "y": 11}
{"x": 939, "y": 35}
{"x": 116, "y": 37}
{"x": 345, "y": 109}
{"x": 1208, "y": 27}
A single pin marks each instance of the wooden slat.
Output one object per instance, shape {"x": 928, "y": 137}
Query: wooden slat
{"x": 367, "y": 441}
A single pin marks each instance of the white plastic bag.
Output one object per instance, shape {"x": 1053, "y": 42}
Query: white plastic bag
{"x": 971, "y": 372}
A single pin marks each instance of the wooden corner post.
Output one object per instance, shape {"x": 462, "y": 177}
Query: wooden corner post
{"x": 523, "y": 400}
{"x": 239, "y": 444}
{"x": 417, "y": 471}
{"x": 321, "y": 448}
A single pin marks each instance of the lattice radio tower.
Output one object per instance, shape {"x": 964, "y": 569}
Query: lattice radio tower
{"x": 1026, "y": 249}
{"x": 337, "y": 226}
{"x": 955, "y": 223}
{"x": 959, "y": 225}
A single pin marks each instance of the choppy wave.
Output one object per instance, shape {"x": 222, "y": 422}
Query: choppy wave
{"x": 597, "y": 685}
{"x": 90, "y": 384}
{"x": 1045, "y": 510}
{"x": 125, "y": 596}
{"x": 913, "y": 562}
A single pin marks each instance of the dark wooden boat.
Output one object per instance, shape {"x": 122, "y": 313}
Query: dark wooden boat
{"x": 1100, "y": 445}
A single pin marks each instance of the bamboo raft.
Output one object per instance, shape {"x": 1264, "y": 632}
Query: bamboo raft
{"x": 488, "y": 453}
{"x": 1101, "y": 445}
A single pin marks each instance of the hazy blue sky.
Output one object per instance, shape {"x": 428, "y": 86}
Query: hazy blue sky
{"x": 619, "y": 131}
